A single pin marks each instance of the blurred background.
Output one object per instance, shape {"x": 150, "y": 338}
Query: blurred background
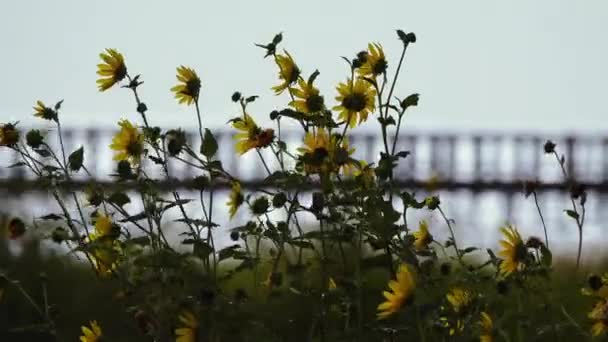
{"x": 496, "y": 80}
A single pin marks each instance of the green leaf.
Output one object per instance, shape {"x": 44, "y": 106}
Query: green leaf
{"x": 43, "y": 152}
{"x": 312, "y": 77}
{"x": 119, "y": 198}
{"x": 18, "y": 164}
{"x": 134, "y": 218}
{"x": 202, "y": 249}
{"x": 75, "y": 159}
{"x": 468, "y": 250}
{"x": 409, "y": 101}
{"x": 572, "y": 214}
{"x": 53, "y": 217}
{"x": 302, "y": 244}
{"x": 209, "y": 145}
{"x": 58, "y": 105}
{"x": 229, "y": 252}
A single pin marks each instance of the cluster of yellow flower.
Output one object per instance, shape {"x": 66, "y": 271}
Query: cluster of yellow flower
{"x": 324, "y": 154}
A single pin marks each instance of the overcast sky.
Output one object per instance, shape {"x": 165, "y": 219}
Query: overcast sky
{"x": 520, "y": 64}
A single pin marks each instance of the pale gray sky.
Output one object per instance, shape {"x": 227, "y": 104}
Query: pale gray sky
{"x": 479, "y": 64}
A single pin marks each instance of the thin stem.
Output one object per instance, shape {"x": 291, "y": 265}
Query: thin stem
{"x": 200, "y": 122}
{"x": 65, "y": 165}
{"x": 447, "y": 221}
{"x": 390, "y": 93}
{"x": 578, "y": 218}
{"x": 397, "y": 132}
{"x": 263, "y": 161}
{"x": 541, "y": 219}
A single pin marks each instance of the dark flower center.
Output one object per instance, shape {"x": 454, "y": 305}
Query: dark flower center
{"x": 317, "y": 157}
{"x": 354, "y": 102}
{"x": 120, "y": 72}
{"x": 521, "y": 253}
{"x": 135, "y": 148}
{"x": 314, "y": 103}
{"x": 193, "y": 86}
{"x": 379, "y": 67}
{"x": 265, "y": 137}
{"x": 295, "y": 73}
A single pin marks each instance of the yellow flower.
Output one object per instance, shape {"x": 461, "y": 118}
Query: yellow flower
{"x": 44, "y": 112}
{"x": 375, "y": 61}
{"x": 423, "y": 237}
{"x": 459, "y": 299}
{"x": 112, "y": 71}
{"x": 487, "y": 327}
{"x": 288, "y": 72}
{"x": 365, "y": 173}
{"x": 128, "y": 143}
{"x": 514, "y": 251}
{"x": 235, "y": 198}
{"x": 187, "y": 330}
{"x": 188, "y": 90}
{"x": 599, "y": 315}
{"x": 104, "y": 254}
{"x": 321, "y": 152}
{"x": 433, "y": 182}
{"x": 307, "y": 97}
{"x": 103, "y": 227}
{"x": 598, "y": 286}
{"x": 104, "y": 249}
{"x": 357, "y": 100}
{"x": 9, "y": 135}
{"x": 92, "y": 334}
{"x": 401, "y": 293}
{"x": 251, "y": 136}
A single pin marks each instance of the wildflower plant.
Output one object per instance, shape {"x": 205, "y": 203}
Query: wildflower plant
{"x": 362, "y": 272}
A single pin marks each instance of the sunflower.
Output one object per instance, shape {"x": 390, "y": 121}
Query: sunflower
{"x": 44, "y": 112}
{"x": 9, "y": 135}
{"x": 487, "y": 327}
{"x": 316, "y": 150}
{"x": 104, "y": 249}
{"x": 92, "y": 334}
{"x": 324, "y": 153}
{"x": 375, "y": 61}
{"x": 187, "y": 330}
{"x": 402, "y": 291}
{"x": 422, "y": 237}
{"x": 365, "y": 173}
{"x": 307, "y": 97}
{"x": 459, "y": 299}
{"x": 103, "y": 228}
{"x": 128, "y": 143}
{"x": 597, "y": 286}
{"x": 514, "y": 251}
{"x": 104, "y": 257}
{"x": 288, "y": 72}
{"x": 599, "y": 315}
{"x": 235, "y": 198}
{"x": 188, "y": 89}
{"x": 112, "y": 71}
{"x": 357, "y": 100}
{"x": 251, "y": 135}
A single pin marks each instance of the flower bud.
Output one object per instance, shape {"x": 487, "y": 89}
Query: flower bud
{"x": 549, "y": 146}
